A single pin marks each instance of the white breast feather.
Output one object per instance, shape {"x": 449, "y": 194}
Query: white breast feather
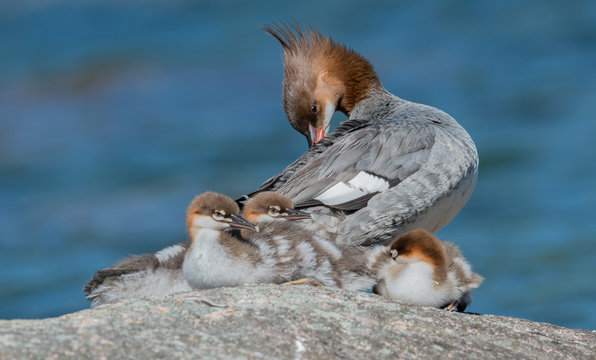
{"x": 414, "y": 285}
{"x": 209, "y": 265}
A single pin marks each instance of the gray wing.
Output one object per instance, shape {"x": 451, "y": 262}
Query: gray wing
{"x": 354, "y": 163}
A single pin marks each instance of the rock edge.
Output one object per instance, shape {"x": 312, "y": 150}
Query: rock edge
{"x": 274, "y": 321}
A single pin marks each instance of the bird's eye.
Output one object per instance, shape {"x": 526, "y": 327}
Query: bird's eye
{"x": 218, "y": 215}
{"x": 393, "y": 253}
{"x": 314, "y": 108}
{"x": 273, "y": 211}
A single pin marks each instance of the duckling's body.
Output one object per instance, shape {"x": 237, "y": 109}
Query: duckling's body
{"x": 419, "y": 269}
{"x": 218, "y": 258}
{"x": 156, "y": 274}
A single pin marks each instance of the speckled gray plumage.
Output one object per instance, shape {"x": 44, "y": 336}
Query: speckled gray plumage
{"x": 299, "y": 254}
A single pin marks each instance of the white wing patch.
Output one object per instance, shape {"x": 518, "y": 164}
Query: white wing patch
{"x": 368, "y": 182}
{"x": 361, "y": 184}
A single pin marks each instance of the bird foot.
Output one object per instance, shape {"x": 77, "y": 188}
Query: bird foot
{"x": 304, "y": 281}
{"x": 452, "y": 306}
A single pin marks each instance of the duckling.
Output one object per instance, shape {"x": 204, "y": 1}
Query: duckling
{"x": 161, "y": 273}
{"x": 156, "y": 274}
{"x": 218, "y": 258}
{"x": 419, "y": 269}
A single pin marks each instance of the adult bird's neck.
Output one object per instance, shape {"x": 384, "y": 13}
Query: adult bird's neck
{"x": 376, "y": 104}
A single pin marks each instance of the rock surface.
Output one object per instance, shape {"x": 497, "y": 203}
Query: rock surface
{"x": 274, "y": 321}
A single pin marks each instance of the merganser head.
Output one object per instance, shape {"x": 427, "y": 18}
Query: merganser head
{"x": 320, "y": 76}
{"x": 271, "y": 206}
{"x": 419, "y": 245}
{"x": 214, "y": 211}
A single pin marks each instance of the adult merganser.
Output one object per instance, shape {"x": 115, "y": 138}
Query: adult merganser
{"x": 393, "y": 166}
{"x": 419, "y": 269}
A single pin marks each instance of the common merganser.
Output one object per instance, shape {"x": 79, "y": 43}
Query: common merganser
{"x": 392, "y": 167}
{"x": 302, "y": 254}
{"x": 268, "y": 206}
{"x": 419, "y": 269}
{"x": 217, "y": 258}
{"x": 161, "y": 273}
{"x": 279, "y": 252}
{"x": 156, "y": 274}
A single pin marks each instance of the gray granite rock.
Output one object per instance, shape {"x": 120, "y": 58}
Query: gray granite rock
{"x": 274, "y": 321}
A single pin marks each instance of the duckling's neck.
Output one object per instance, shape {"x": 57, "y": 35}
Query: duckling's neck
{"x": 216, "y": 258}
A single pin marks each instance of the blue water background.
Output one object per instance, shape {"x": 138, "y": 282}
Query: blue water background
{"x": 113, "y": 115}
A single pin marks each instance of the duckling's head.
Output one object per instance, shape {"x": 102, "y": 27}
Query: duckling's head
{"x": 419, "y": 245}
{"x": 214, "y": 211}
{"x": 271, "y": 206}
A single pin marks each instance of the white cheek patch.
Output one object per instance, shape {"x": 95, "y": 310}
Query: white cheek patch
{"x": 207, "y": 222}
{"x": 329, "y": 111}
{"x": 360, "y": 185}
{"x": 265, "y": 218}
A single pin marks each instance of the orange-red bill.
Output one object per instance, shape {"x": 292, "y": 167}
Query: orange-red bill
{"x": 316, "y": 134}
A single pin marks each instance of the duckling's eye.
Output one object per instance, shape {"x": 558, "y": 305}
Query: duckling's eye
{"x": 393, "y": 253}
{"x": 218, "y": 215}
{"x": 273, "y": 211}
{"x": 314, "y": 108}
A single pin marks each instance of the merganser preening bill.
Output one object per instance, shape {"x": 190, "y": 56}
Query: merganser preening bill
{"x": 419, "y": 269}
{"x": 392, "y": 167}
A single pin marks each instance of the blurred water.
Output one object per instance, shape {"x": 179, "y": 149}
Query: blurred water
{"x": 113, "y": 116}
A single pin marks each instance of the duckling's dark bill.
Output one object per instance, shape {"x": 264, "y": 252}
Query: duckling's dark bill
{"x": 294, "y": 214}
{"x": 240, "y": 223}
